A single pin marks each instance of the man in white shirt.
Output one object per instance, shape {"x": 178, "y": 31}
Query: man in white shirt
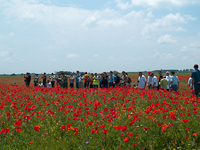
{"x": 141, "y": 81}
{"x": 168, "y": 78}
{"x": 190, "y": 83}
{"x": 154, "y": 82}
{"x": 149, "y": 80}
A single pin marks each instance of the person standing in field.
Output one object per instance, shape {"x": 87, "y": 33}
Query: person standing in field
{"x": 196, "y": 80}
{"x": 81, "y": 81}
{"x": 36, "y": 80}
{"x": 52, "y": 78}
{"x": 65, "y": 80}
{"x": 168, "y": 78}
{"x": 71, "y": 80}
{"x": 123, "y": 79}
{"x": 86, "y": 77}
{"x": 117, "y": 80}
{"x": 101, "y": 80}
{"x": 160, "y": 77}
{"x": 141, "y": 80}
{"x": 154, "y": 82}
{"x": 149, "y": 80}
{"x": 91, "y": 80}
{"x": 127, "y": 80}
{"x": 27, "y": 79}
{"x": 190, "y": 83}
{"x": 44, "y": 77}
{"x": 95, "y": 81}
{"x": 110, "y": 79}
{"x": 174, "y": 82}
{"x": 163, "y": 83}
{"x": 77, "y": 79}
{"x": 105, "y": 80}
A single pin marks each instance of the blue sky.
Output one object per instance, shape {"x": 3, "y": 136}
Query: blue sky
{"x": 87, "y": 35}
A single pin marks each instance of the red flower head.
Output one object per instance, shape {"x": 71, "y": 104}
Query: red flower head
{"x": 37, "y": 128}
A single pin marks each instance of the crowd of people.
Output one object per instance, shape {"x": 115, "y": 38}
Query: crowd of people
{"x": 104, "y": 80}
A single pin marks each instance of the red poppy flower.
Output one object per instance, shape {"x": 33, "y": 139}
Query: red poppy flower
{"x": 126, "y": 139}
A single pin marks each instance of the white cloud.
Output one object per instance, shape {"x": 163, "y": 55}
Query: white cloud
{"x": 163, "y": 3}
{"x": 150, "y": 15}
{"x": 135, "y": 14}
{"x": 113, "y": 22}
{"x": 4, "y": 53}
{"x": 167, "y": 21}
{"x": 124, "y": 5}
{"x": 111, "y": 58}
{"x": 166, "y": 39}
{"x": 179, "y": 29}
{"x": 96, "y": 55}
{"x": 11, "y": 34}
{"x": 183, "y": 49}
{"x": 72, "y": 56}
{"x": 162, "y": 55}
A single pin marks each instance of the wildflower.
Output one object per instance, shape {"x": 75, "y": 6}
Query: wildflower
{"x": 194, "y": 134}
{"x": 146, "y": 128}
{"x": 134, "y": 144}
{"x": 187, "y": 137}
{"x": 105, "y": 132}
{"x": 63, "y": 127}
{"x": 130, "y": 134}
{"x": 37, "y": 128}
{"x": 126, "y": 139}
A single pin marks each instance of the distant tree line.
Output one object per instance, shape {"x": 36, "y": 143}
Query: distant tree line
{"x": 69, "y": 72}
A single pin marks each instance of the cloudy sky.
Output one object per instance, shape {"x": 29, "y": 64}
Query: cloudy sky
{"x": 98, "y": 35}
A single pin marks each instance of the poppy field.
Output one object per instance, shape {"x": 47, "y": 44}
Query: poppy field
{"x": 113, "y": 118}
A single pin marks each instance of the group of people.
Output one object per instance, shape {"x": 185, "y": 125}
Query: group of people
{"x": 81, "y": 80}
{"x": 104, "y": 80}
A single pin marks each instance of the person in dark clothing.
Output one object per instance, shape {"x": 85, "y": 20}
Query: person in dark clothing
{"x": 160, "y": 77}
{"x": 44, "y": 77}
{"x": 105, "y": 80}
{"x": 116, "y": 80}
{"x": 27, "y": 79}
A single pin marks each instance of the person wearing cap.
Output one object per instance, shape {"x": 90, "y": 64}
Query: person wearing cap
{"x": 163, "y": 83}
{"x": 196, "y": 80}
{"x": 141, "y": 80}
{"x": 149, "y": 80}
{"x": 110, "y": 79}
{"x": 168, "y": 78}
{"x": 154, "y": 82}
{"x": 174, "y": 83}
